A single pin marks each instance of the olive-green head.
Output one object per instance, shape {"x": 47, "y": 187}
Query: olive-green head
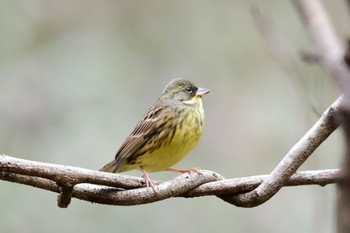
{"x": 184, "y": 91}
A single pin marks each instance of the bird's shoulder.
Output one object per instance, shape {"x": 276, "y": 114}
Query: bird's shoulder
{"x": 155, "y": 117}
{"x": 148, "y": 127}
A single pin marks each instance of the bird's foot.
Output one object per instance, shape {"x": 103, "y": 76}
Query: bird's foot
{"x": 194, "y": 169}
{"x": 149, "y": 182}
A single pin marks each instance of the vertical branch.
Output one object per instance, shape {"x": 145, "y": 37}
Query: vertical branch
{"x": 331, "y": 55}
{"x": 326, "y": 44}
{"x": 343, "y": 205}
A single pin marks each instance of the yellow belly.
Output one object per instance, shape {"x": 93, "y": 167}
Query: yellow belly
{"x": 171, "y": 151}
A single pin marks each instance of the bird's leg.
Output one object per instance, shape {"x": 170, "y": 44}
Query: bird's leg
{"x": 148, "y": 180}
{"x": 194, "y": 169}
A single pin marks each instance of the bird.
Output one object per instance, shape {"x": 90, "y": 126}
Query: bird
{"x": 165, "y": 134}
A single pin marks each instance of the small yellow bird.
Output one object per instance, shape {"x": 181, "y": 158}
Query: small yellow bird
{"x": 165, "y": 134}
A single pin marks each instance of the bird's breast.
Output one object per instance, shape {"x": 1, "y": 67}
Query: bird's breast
{"x": 176, "y": 141}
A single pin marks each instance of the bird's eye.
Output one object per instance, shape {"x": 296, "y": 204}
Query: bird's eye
{"x": 188, "y": 89}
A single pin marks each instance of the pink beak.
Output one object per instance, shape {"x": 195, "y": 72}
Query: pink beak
{"x": 202, "y": 91}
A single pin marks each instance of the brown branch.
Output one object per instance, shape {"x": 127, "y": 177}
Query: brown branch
{"x": 343, "y": 205}
{"x": 64, "y": 199}
{"x": 128, "y": 189}
{"x": 327, "y": 46}
{"x": 116, "y": 190}
{"x": 244, "y": 184}
{"x": 332, "y": 59}
{"x": 292, "y": 161}
{"x": 185, "y": 185}
{"x": 347, "y": 54}
{"x": 66, "y": 174}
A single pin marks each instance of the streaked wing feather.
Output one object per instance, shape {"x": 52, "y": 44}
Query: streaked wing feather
{"x": 145, "y": 130}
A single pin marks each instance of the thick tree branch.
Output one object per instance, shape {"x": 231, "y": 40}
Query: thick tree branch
{"x": 292, "y": 161}
{"x": 128, "y": 190}
{"x": 71, "y": 181}
{"x": 244, "y": 184}
{"x": 66, "y": 174}
{"x": 332, "y": 59}
{"x": 185, "y": 185}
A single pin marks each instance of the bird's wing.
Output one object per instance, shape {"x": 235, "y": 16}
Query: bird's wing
{"x": 147, "y": 129}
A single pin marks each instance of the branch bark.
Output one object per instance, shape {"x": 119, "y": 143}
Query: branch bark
{"x": 116, "y": 189}
{"x": 327, "y": 45}
{"x": 292, "y": 161}
{"x": 331, "y": 56}
{"x": 185, "y": 185}
{"x": 128, "y": 190}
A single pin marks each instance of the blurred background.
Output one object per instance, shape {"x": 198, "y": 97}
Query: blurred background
{"x": 75, "y": 77}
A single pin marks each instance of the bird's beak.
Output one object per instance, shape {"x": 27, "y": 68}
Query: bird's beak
{"x": 202, "y": 91}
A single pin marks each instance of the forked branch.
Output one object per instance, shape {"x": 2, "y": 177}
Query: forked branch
{"x": 116, "y": 189}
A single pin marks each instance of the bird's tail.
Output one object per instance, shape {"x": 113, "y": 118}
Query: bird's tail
{"x": 109, "y": 167}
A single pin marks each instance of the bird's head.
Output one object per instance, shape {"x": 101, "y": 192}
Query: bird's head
{"x": 184, "y": 91}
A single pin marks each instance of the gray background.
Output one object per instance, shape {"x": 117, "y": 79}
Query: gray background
{"x": 75, "y": 77}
